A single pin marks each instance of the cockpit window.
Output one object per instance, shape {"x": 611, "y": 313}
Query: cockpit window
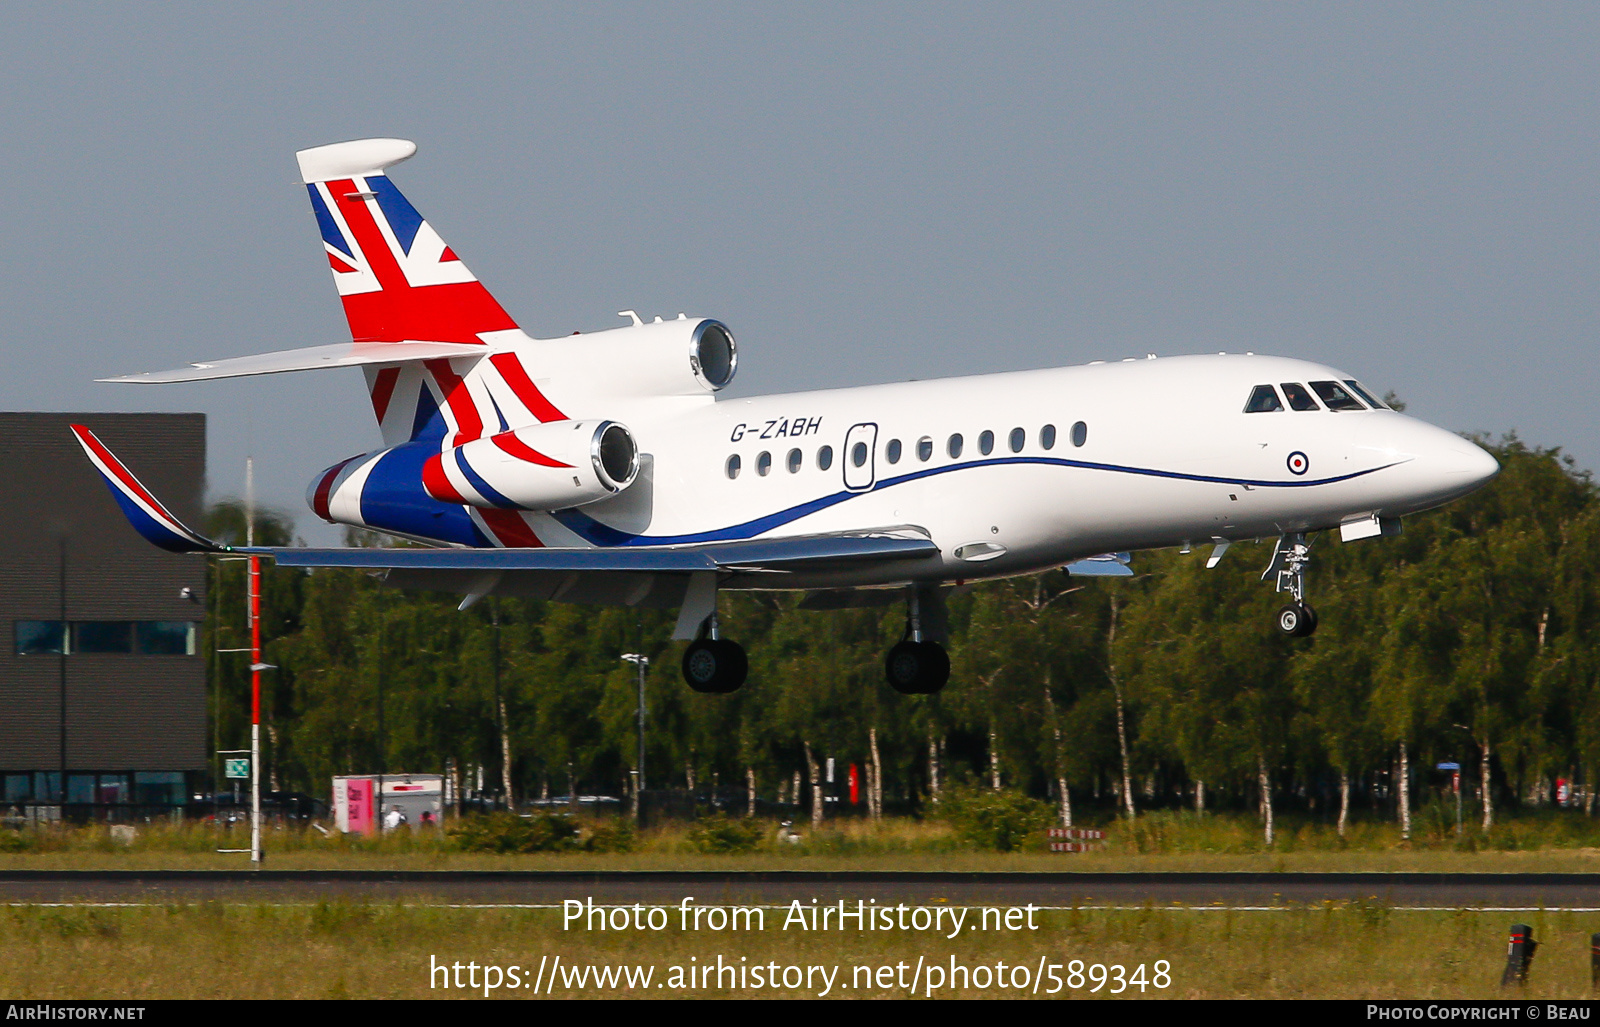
{"x": 1299, "y": 398}
{"x": 1335, "y": 397}
{"x": 1263, "y": 399}
{"x": 1360, "y": 390}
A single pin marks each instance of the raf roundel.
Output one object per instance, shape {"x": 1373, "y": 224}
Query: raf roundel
{"x": 1298, "y": 463}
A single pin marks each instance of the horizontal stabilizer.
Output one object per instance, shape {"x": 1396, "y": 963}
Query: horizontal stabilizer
{"x": 1106, "y": 565}
{"x": 345, "y": 354}
{"x": 761, "y": 555}
{"x": 143, "y": 510}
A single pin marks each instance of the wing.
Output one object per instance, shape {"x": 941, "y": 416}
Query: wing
{"x": 466, "y": 569}
{"x": 775, "y": 556}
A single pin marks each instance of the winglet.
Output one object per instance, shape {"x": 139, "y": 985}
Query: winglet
{"x": 148, "y": 517}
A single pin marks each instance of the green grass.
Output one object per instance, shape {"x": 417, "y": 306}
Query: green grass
{"x": 1551, "y": 841}
{"x": 373, "y": 950}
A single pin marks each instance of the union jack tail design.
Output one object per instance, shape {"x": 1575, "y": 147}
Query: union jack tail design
{"x": 400, "y": 282}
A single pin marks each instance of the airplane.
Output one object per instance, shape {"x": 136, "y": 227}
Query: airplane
{"x": 604, "y": 468}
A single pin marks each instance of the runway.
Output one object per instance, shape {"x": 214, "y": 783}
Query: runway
{"x": 1056, "y": 889}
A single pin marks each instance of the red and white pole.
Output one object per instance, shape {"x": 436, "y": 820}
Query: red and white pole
{"x": 254, "y": 607}
{"x": 255, "y": 709}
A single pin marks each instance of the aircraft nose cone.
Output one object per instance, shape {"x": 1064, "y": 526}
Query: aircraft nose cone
{"x": 1470, "y": 465}
{"x": 1453, "y": 467}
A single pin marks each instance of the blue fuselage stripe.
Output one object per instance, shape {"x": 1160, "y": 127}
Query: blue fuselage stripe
{"x": 603, "y": 535}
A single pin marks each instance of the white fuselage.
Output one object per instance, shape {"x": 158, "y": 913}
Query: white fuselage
{"x": 1166, "y": 455}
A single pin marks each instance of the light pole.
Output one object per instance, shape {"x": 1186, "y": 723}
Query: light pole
{"x": 642, "y": 663}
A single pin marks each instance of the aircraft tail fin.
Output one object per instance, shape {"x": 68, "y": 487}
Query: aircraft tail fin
{"x": 400, "y": 282}
{"x": 395, "y": 275}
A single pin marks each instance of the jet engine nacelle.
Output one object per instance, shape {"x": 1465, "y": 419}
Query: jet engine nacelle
{"x": 662, "y": 358}
{"x": 543, "y": 467}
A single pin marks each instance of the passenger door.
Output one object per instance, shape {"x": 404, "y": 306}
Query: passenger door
{"x": 859, "y": 457}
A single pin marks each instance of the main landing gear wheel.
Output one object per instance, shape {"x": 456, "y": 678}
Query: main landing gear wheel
{"x": 715, "y": 665}
{"x": 1297, "y": 620}
{"x": 917, "y": 668}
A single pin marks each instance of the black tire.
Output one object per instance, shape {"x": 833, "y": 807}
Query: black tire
{"x": 1297, "y": 620}
{"x": 917, "y": 668}
{"x": 715, "y": 666}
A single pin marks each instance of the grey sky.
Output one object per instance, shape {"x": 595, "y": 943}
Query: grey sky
{"x": 863, "y": 192}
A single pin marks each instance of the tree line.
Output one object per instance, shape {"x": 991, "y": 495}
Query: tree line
{"x": 1471, "y": 637}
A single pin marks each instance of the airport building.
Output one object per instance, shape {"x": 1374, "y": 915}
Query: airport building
{"x": 102, "y": 685}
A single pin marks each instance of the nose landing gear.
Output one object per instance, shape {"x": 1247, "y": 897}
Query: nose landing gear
{"x": 917, "y": 665}
{"x": 1288, "y": 564}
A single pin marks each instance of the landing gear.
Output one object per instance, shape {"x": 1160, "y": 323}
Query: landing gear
{"x": 714, "y": 664}
{"x": 1297, "y": 620}
{"x": 917, "y": 665}
{"x": 917, "y": 668}
{"x": 1289, "y": 562}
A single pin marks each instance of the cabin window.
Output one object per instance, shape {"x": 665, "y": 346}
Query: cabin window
{"x": 825, "y": 457}
{"x": 1299, "y": 398}
{"x": 1263, "y": 400}
{"x": 924, "y": 449}
{"x": 1360, "y": 390}
{"x": 1080, "y": 433}
{"x": 858, "y": 454}
{"x": 794, "y": 461}
{"x": 1018, "y": 437}
{"x": 733, "y": 465}
{"x": 891, "y": 452}
{"x": 954, "y": 446}
{"x": 764, "y": 463}
{"x": 986, "y": 443}
{"x": 1047, "y": 437}
{"x": 1335, "y": 397}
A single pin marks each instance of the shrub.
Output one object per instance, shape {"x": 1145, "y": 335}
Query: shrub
{"x": 722, "y": 833}
{"x": 16, "y": 841}
{"x": 1001, "y": 821}
{"x": 508, "y": 832}
{"x": 614, "y": 836}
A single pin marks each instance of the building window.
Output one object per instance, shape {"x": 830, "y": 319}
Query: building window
{"x": 146, "y": 637}
{"x": 165, "y": 637}
{"x": 102, "y": 636}
{"x": 159, "y": 788}
{"x": 46, "y": 786}
{"x": 80, "y": 787}
{"x": 113, "y": 788}
{"x": 37, "y": 637}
